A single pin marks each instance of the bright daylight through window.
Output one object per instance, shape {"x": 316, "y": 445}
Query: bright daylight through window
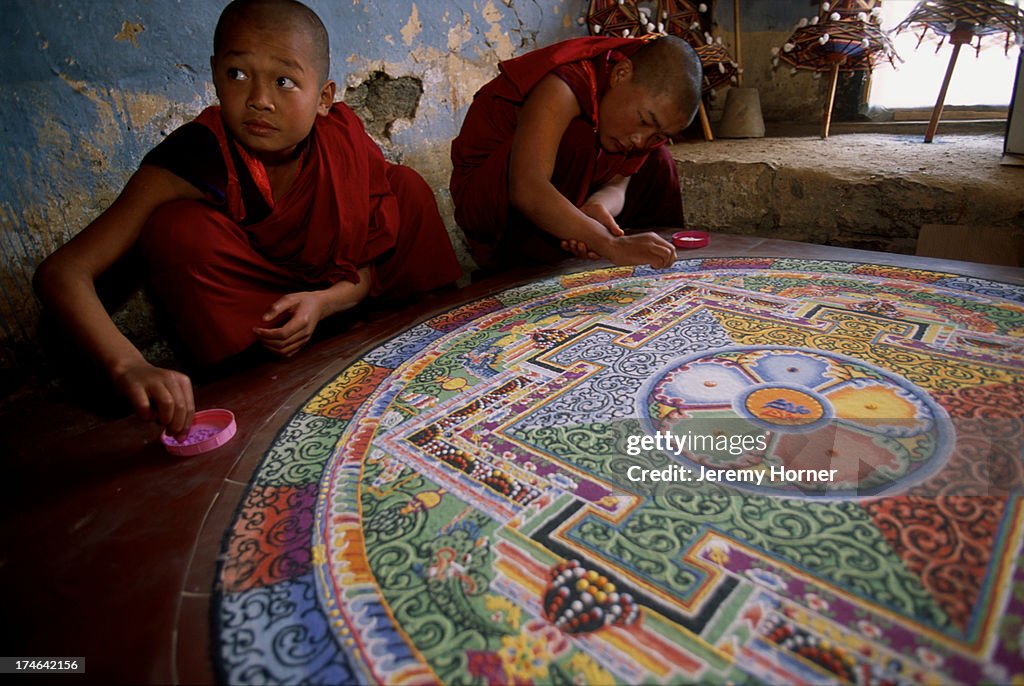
{"x": 979, "y": 79}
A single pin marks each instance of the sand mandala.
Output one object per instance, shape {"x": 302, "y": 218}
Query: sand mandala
{"x": 734, "y": 470}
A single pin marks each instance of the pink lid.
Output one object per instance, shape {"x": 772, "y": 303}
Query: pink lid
{"x": 210, "y": 429}
{"x": 688, "y": 240}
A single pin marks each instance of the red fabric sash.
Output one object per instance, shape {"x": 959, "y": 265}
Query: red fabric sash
{"x": 339, "y": 213}
{"x": 525, "y": 71}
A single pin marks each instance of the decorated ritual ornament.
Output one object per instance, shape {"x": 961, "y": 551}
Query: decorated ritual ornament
{"x": 961, "y": 22}
{"x": 691, "y": 22}
{"x": 844, "y": 36}
{"x": 619, "y": 18}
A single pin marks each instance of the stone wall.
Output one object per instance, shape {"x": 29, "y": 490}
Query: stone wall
{"x": 857, "y": 190}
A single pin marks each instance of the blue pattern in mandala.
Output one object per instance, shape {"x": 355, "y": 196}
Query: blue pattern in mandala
{"x": 278, "y": 634}
{"x": 992, "y": 289}
{"x": 825, "y": 266}
{"x": 794, "y": 368}
{"x": 680, "y": 267}
{"x": 402, "y": 347}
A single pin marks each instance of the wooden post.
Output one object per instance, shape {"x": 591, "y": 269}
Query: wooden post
{"x": 957, "y": 37}
{"x": 739, "y": 51}
{"x": 827, "y": 119}
{"x": 705, "y": 123}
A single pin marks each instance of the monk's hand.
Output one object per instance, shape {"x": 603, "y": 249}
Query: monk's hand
{"x": 160, "y": 395}
{"x": 579, "y": 249}
{"x": 643, "y": 248}
{"x": 602, "y": 216}
{"x": 299, "y": 314}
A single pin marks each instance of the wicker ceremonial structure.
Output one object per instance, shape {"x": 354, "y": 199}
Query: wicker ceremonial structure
{"x": 625, "y": 19}
{"x": 719, "y": 67}
{"x": 962, "y": 23}
{"x": 987, "y": 21}
{"x": 844, "y": 37}
{"x": 674, "y": 17}
{"x": 682, "y": 18}
{"x": 846, "y": 34}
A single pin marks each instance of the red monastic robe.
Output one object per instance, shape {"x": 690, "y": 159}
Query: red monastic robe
{"x": 218, "y": 274}
{"x": 497, "y": 234}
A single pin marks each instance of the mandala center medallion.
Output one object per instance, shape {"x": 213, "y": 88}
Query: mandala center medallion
{"x": 794, "y": 421}
{"x": 781, "y": 407}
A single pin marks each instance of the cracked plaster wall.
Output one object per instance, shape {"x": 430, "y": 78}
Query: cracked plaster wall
{"x": 87, "y": 88}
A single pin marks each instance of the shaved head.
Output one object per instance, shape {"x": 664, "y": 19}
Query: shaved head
{"x": 278, "y": 15}
{"x": 668, "y": 66}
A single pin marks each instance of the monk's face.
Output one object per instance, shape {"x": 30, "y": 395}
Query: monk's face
{"x": 270, "y": 88}
{"x": 631, "y": 118}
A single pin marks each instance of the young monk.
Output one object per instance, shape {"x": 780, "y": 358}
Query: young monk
{"x": 257, "y": 220}
{"x": 566, "y": 145}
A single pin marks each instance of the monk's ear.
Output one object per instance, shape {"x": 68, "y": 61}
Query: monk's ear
{"x": 622, "y": 71}
{"x": 214, "y": 75}
{"x": 326, "y": 98}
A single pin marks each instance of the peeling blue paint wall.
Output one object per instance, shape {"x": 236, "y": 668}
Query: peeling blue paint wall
{"x": 87, "y": 88}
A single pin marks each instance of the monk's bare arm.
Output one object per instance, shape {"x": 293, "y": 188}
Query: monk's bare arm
{"x": 611, "y": 197}
{"x": 66, "y": 283}
{"x": 543, "y": 119}
{"x": 602, "y": 206}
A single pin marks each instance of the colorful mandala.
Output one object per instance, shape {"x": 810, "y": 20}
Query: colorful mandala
{"x": 560, "y": 484}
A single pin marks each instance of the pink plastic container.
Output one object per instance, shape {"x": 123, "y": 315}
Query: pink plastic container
{"x": 210, "y": 429}
{"x": 689, "y": 240}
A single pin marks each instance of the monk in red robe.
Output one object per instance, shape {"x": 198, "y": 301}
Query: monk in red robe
{"x": 567, "y": 143}
{"x": 257, "y": 220}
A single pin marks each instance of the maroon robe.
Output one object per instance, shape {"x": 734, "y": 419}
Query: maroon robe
{"x": 498, "y": 234}
{"x": 217, "y": 273}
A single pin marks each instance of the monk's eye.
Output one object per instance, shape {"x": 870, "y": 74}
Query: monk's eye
{"x": 285, "y": 82}
{"x": 237, "y": 74}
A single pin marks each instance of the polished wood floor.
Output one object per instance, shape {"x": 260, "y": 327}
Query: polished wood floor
{"x": 108, "y": 545}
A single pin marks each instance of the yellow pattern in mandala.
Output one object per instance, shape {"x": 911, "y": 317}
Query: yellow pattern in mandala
{"x": 352, "y": 377}
{"x": 858, "y": 337}
{"x": 871, "y": 403}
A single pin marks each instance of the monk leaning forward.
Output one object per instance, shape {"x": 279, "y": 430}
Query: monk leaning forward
{"x": 567, "y": 144}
